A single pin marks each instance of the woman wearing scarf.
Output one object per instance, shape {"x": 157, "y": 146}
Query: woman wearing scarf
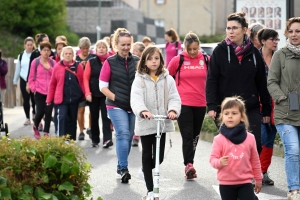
{"x": 237, "y": 68}
{"x": 284, "y": 87}
{"x": 95, "y": 97}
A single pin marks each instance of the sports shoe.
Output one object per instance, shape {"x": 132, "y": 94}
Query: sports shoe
{"x": 40, "y": 128}
{"x": 107, "y": 144}
{"x": 293, "y": 195}
{"x": 125, "y": 176}
{"x": 46, "y": 134}
{"x": 36, "y": 132}
{"x": 190, "y": 171}
{"x": 27, "y": 122}
{"x": 89, "y": 132}
{"x": 150, "y": 196}
{"x": 94, "y": 145}
{"x": 81, "y": 136}
{"x": 141, "y": 175}
{"x": 266, "y": 179}
{"x": 118, "y": 175}
{"x": 135, "y": 142}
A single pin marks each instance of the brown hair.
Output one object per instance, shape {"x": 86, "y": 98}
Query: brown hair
{"x": 149, "y": 51}
{"x": 239, "y": 17}
{"x": 235, "y": 101}
{"x": 146, "y": 39}
{"x": 30, "y": 39}
{"x": 45, "y": 44}
{"x": 289, "y": 24}
{"x": 62, "y": 38}
{"x": 60, "y": 42}
{"x": 190, "y": 38}
{"x": 265, "y": 34}
{"x": 173, "y": 34}
{"x": 116, "y": 37}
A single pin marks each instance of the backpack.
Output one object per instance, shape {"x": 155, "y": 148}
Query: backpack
{"x": 20, "y": 56}
{"x": 37, "y": 62}
{"x": 181, "y": 62}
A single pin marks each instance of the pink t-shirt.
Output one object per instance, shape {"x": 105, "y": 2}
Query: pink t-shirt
{"x": 243, "y": 162}
{"x": 192, "y": 80}
{"x": 171, "y": 51}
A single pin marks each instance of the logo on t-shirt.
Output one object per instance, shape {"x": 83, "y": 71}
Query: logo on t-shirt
{"x": 201, "y": 62}
{"x": 186, "y": 63}
{"x": 236, "y": 154}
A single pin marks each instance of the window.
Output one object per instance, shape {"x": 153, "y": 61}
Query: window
{"x": 159, "y": 22}
{"x": 160, "y": 1}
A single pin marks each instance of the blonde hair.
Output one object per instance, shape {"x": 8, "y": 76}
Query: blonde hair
{"x": 63, "y": 51}
{"x": 101, "y": 42}
{"x": 140, "y": 46}
{"x": 190, "y": 38}
{"x": 30, "y": 39}
{"x": 84, "y": 42}
{"x": 235, "y": 101}
{"x": 116, "y": 37}
{"x": 62, "y": 38}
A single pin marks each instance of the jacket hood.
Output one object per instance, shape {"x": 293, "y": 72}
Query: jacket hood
{"x": 146, "y": 76}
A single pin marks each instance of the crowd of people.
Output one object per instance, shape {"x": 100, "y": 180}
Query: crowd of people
{"x": 248, "y": 87}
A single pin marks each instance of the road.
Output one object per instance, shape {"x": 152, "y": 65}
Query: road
{"x": 173, "y": 185}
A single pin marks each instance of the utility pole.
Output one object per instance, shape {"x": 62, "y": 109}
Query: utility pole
{"x": 178, "y": 17}
{"x": 98, "y": 28}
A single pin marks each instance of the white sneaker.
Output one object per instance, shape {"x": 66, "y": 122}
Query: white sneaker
{"x": 149, "y": 196}
{"x": 293, "y": 195}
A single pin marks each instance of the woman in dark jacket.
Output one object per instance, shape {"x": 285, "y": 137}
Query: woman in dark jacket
{"x": 95, "y": 98}
{"x": 237, "y": 68}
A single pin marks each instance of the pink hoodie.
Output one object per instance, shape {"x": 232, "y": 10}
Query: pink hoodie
{"x": 192, "y": 83}
{"x": 43, "y": 77}
{"x": 243, "y": 162}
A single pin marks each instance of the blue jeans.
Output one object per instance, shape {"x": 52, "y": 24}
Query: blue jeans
{"x": 268, "y": 133}
{"x": 124, "y": 125}
{"x": 290, "y": 138}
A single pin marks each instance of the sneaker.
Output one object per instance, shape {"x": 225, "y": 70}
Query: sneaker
{"x": 81, "y": 136}
{"x": 94, "y": 145}
{"x": 89, "y": 132}
{"x": 266, "y": 179}
{"x": 27, "y": 122}
{"x": 118, "y": 175}
{"x": 190, "y": 171}
{"x": 107, "y": 144}
{"x": 125, "y": 176}
{"x": 141, "y": 175}
{"x": 46, "y": 134}
{"x": 36, "y": 132}
{"x": 293, "y": 195}
{"x": 135, "y": 142}
{"x": 40, "y": 128}
{"x": 150, "y": 196}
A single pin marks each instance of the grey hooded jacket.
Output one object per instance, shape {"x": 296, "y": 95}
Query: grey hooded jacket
{"x": 146, "y": 94}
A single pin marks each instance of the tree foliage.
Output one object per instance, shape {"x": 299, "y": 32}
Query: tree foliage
{"x": 29, "y": 17}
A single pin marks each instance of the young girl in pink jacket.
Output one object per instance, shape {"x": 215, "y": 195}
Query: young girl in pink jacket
{"x": 234, "y": 153}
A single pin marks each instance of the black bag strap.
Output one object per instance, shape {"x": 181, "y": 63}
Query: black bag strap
{"x": 179, "y": 67}
{"x": 20, "y": 56}
{"x": 176, "y": 46}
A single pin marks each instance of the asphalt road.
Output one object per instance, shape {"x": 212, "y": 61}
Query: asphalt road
{"x": 173, "y": 185}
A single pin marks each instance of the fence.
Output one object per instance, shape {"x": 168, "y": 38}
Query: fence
{"x": 13, "y": 96}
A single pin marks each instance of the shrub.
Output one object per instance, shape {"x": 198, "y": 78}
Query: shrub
{"x": 209, "y": 126}
{"x": 44, "y": 169}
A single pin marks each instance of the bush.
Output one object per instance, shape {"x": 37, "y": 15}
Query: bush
{"x": 209, "y": 126}
{"x": 44, "y": 169}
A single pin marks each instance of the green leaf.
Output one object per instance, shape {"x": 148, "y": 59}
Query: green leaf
{"x": 50, "y": 161}
{"x": 65, "y": 168}
{"x": 99, "y": 198}
{"x": 45, "y": 177}
{"x": 5, "y": 193}
{"x": 54, "y": 197}
{"x": 69, "y": 158}
{"x": 3, "y": 182}
{"x": 28, "y": 189}
{"x": 74, "y": 197}
{"x": 67, "y": 186}
{"x": 75, "y": 169}
{"x": 46, "y": 196}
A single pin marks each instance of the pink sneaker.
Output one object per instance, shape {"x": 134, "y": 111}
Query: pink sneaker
{"x": 36, "y": 132}
{"x": 46, "y": 134}
{"x": 190, "y": 171}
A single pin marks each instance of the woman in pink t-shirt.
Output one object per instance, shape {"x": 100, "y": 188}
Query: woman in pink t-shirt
{"x": 190, "y": 81}
{"x": 173, "y": 45}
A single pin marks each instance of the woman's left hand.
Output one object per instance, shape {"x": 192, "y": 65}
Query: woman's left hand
{"x": 172, "y": 115}
{"x": 266, "y": 119}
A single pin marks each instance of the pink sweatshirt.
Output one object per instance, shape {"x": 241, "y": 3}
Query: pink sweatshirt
{"x": 243, "y": 162}
{"x": 43, "y": 77}
{"x": 171, "y": 51}
{"x": 192, "y": 82}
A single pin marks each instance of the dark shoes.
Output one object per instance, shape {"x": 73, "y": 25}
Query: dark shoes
{"x": 125, "y": 176}
{"x": 107, "y": 144}
{"x": 266, "y": 179}
{"x": 135, "y": 142}
{"x": 81, "y": 136}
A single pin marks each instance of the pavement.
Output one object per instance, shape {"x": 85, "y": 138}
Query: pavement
{"x": 173, "y": 185}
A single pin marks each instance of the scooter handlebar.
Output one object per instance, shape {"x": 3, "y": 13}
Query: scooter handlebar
{"x": 158, "y": 117}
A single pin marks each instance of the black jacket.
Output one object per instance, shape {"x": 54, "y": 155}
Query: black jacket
{"x": 228, "y": 77}
{"x": 121, "y": 80}
{"x": 96, "y": 67}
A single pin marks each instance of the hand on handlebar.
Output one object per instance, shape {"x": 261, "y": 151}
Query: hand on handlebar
{"x": 147, "y": 115}
{"x": 172, "y": 115}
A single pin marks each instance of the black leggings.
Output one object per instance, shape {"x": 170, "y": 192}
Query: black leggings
{"x": 42, "y": 109}
{"x": 26, "y": 98}
{"x": 232, "y": 192}
{"x": 190, "y": 123}
{"x": 148, "y": 156}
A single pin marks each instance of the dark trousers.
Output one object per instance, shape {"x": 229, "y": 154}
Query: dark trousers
{"x": 67, "y": 119}
{"x": 42, "y": 109}
{"x": 190, "y": 124}
{"x": 232, "y": 192}
{"x": 26, "y": 98}
{"x": 96, "y": 104}
{"x": 148, "y": 156}
{"x": 255, "y": 119}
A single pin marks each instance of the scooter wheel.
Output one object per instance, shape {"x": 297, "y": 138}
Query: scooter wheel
{"x": 6, "y": 129}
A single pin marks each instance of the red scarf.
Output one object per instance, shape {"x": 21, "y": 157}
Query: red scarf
{"x": 103, "y": 57}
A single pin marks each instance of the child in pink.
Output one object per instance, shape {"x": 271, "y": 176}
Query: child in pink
{"x": 234, "y": 153}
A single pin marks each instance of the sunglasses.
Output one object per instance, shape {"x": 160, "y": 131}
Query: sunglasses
{"x": 127, "y": 34}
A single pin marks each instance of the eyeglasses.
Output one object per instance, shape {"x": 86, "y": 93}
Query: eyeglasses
{"x": 234, "y": 28}
{"x": 274, "y": 39}
{"x": 127, "y": 34}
